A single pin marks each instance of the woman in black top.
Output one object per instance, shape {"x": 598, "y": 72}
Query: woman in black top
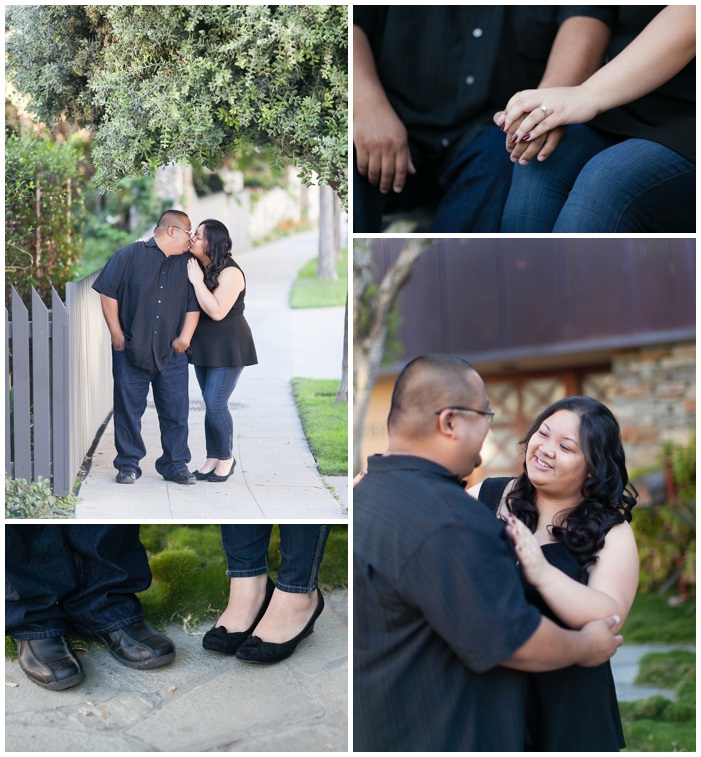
{"x": 222, "y": 344}
{"x": 568, "y": 514}
{"x": 632, "y": 167}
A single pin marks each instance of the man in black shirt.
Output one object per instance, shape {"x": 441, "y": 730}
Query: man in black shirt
{"x": 427, "y": 81}
{"x": 441, "y": 622}
{"x": 151, "y": 311}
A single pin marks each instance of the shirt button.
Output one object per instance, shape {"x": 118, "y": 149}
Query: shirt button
{"x": 445, "y": 141}
{"x": 477, "y": 32}
{"x": 469, "y": 80}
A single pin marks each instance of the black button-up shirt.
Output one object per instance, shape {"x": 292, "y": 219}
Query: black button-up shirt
{"x": 438, "y": 605}
{"x": 447, "y": 69}
{"x": 154, "y": 294}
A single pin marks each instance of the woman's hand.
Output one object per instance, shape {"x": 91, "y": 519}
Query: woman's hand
{"x": 546, "y": 109}
{"x": 528, "y": 551}
{"x": 358, "y": 478}
{"x": 194, "y": 272}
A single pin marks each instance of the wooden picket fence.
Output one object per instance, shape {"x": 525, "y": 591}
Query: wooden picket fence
{"x": 58, "y": 384}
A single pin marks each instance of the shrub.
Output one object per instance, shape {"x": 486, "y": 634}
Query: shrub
{"x": 34, "y": 499}
{"x": 44, "y": 213}
{"x": 666, "y": 534}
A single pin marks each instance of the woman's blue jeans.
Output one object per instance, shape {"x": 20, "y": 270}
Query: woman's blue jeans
{"x": 217, "y": 385}
{"x": 301, "y": 551}
{"x": 60, "y": 577}
{"x": 595, "y": 183}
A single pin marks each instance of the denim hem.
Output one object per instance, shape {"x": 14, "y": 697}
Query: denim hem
{"x": 251, "y": 572}
{"x": 112, "y": 627}
{"x": 50, "y": 633}
{"x": 296, "y": 589}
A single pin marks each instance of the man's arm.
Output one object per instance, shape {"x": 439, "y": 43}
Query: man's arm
{"x": 110, "y": 310}
{"x": 577, "y": 52}
{"x": 380, "y": 138}
{"x": 552, "y": 647}
{"x": 182, "y": 342}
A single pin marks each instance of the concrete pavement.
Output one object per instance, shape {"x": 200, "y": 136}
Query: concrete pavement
{"x": 201, "y": 702}
{"x": 276, "y": 476}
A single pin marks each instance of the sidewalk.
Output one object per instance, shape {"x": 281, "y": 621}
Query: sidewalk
{"x": 275, "y": 476}
{"x": 201, "y": 702}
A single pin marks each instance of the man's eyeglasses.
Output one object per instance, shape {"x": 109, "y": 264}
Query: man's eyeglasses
{"x": 189, "y": 233}
{"x": 487, "y": 413}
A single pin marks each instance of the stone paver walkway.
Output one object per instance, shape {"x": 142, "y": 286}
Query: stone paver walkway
{"x": 276, "y": 476}
{"x": 201, "y": 702}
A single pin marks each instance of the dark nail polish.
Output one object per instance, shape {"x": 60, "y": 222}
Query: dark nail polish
{"x": 527, "y": 137}
{"x": 514, "y": 138}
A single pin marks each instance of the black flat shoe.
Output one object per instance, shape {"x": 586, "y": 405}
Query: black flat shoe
{"x": 218, "y": 639}
{"x": 214, "y": 477}
{"x": 258, "y": 651}
{"x": 203, "y": 476}
{"x": 50, "y": 663}
{"x": 126, "y": 477}
{"x": 139, "y": 645}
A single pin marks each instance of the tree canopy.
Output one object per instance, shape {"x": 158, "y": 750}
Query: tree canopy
{"x": 189, "y": 83}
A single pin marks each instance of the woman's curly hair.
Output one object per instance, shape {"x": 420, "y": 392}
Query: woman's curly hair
{"x": 608, "y": 496}
{"x": 218, "y": 248}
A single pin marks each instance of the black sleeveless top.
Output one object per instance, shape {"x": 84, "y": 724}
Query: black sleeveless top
{"x": 573, "y": 709}
{"x": 227, "y": 343}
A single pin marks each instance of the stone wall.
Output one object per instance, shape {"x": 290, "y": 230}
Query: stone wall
{"x": 654, "y": 398}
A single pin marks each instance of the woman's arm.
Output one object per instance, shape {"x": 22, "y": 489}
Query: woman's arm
{"x": 613, "y": 580}
{"x": 659, "y": 52}
{"x": 219, "y": 302}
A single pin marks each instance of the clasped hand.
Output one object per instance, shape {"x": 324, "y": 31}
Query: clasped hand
{"x": 534, "y": 119}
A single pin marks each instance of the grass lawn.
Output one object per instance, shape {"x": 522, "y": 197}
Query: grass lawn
{"x": 189, "y": 572}
{"x": 325, "y": 423}
{"x": 656, "y": 724}
{"x": 310, "y": 292}
{"x": 653, "y": 621}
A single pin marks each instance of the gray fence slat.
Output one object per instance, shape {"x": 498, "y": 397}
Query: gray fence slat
{"x": 41, "y": 386}
{"x": 21, "y": 388}
{"x": 8, "y": 438}
{"x": 60, "y": 401}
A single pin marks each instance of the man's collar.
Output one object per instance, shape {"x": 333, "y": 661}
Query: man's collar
{"x": 383, "y": 463}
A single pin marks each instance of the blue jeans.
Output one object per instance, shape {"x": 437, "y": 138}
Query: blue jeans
{"x": 470, "y": 190}
{"x": 301, "y": 551}
{"x": 217, "y": 385}
{"x": 595, "y": 183}
{"x": 60, "y": 577}
{"x": 131, "y": 385}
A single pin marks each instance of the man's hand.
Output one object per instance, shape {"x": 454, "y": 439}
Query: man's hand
{"x": 180, "y": 344}
{"x": 601, "y": 641}
{"x": 118, "y": 341}
{"x": 382, "y": 147}
{"x": 524, "y": 152}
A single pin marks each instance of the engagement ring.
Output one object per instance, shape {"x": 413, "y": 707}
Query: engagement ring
{"x": 544, "y": 109}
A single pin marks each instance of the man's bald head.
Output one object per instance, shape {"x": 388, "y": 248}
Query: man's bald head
{"x": 427, "y": 384}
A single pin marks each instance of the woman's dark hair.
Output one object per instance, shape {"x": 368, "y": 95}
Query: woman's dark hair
{"x": 608, "y": 497}
{"x": 218, "y": 248}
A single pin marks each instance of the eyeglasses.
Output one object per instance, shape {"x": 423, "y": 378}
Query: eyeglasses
{"x": 487, "y": 413}
{"x": 189, "y": 233}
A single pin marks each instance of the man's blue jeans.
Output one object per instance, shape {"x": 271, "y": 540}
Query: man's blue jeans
{"x": 131, "y": 385}
{"x": 470, "y": 191}
{"x": 301, "y": 551}
{"x": 217, "y": 385}
{"x": 594, "y": 183}
{"x": 60, "y": 577}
